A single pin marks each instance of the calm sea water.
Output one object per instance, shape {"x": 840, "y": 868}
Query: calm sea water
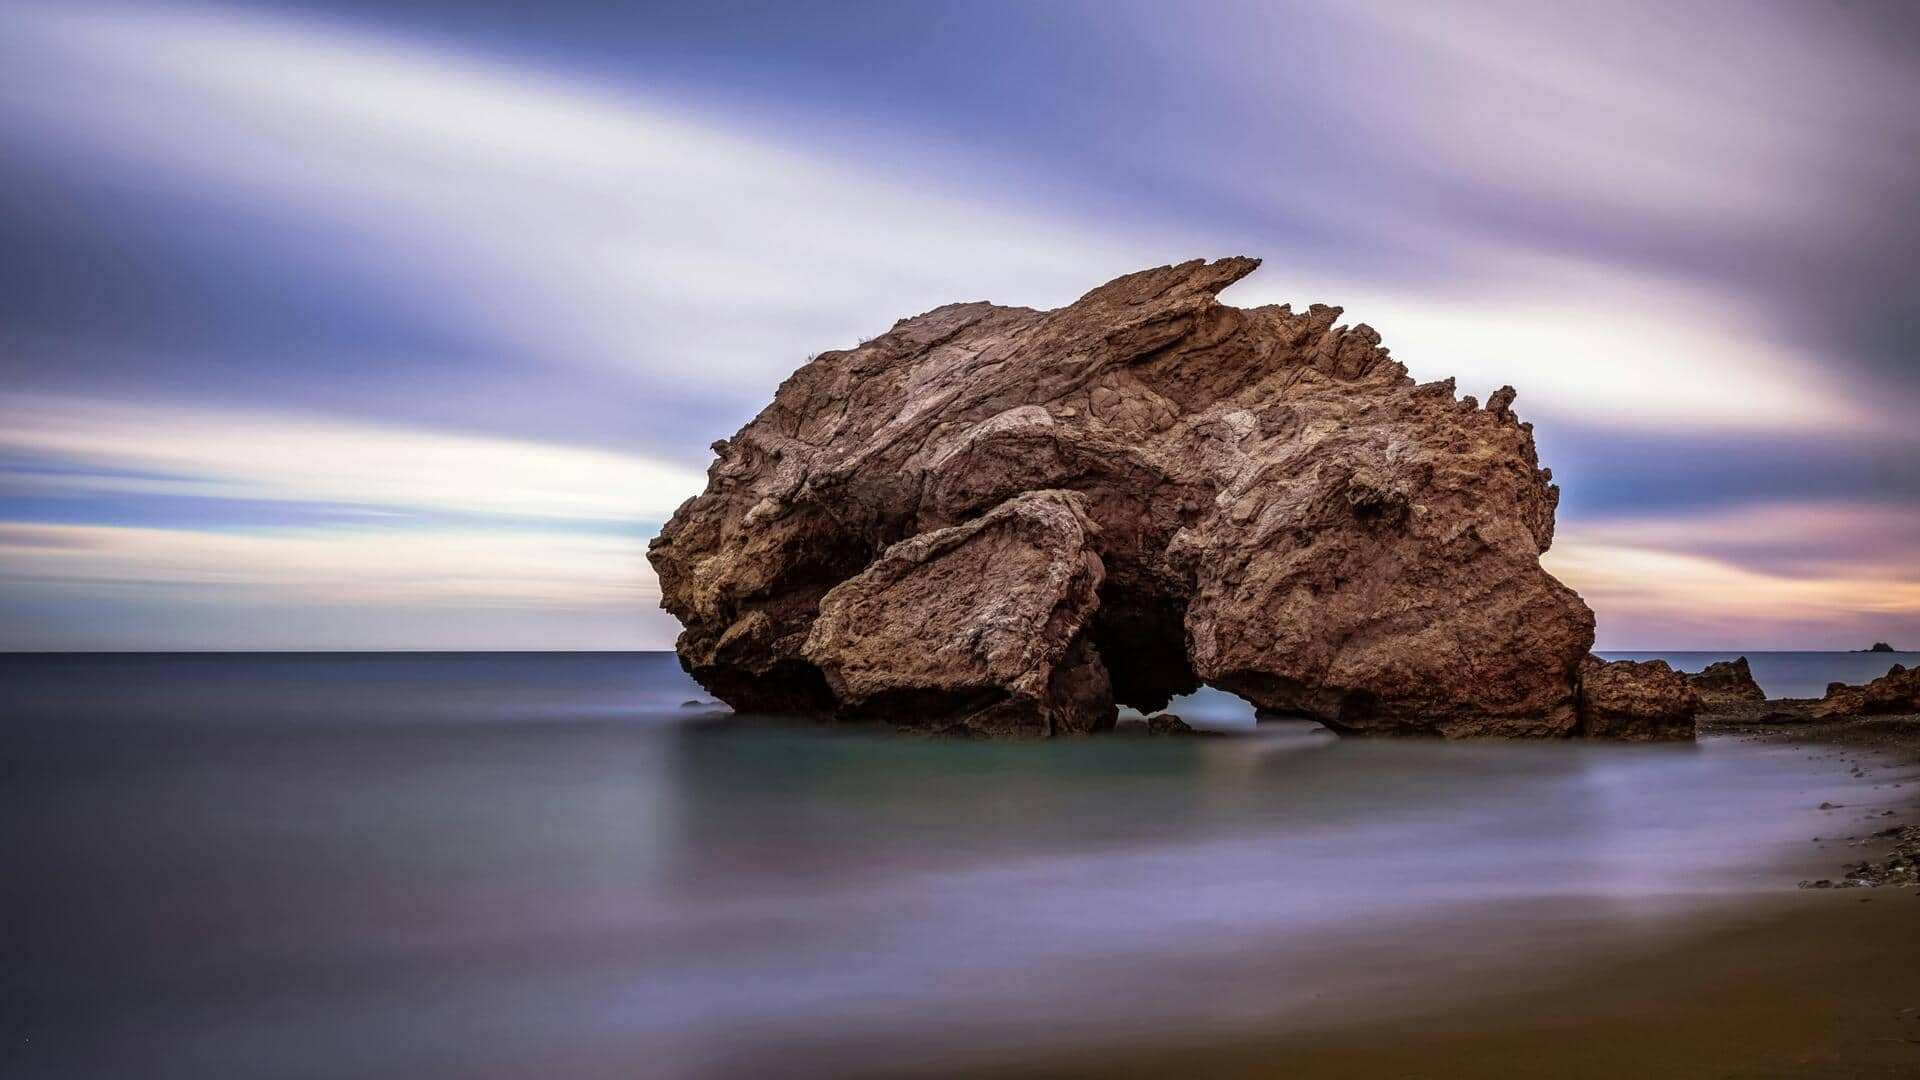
{"x": 536, "y": 864}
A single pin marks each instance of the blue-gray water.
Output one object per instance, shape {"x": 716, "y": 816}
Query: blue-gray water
{"x": 541, "y": 864}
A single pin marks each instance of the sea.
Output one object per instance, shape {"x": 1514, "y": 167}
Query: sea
{"x": 511, "y": 864}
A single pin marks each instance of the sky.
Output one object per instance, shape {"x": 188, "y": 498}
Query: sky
{"x": 385, "y": 325}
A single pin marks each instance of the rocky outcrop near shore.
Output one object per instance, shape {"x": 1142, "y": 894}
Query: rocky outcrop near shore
{"x": 1643, "y": 701}
{"x": 1007, "y": 521}
{"x": 1728, "y": 682}
{"x": 1896, "y": 692}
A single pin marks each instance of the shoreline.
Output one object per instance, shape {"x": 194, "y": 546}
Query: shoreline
{"x": 1794, "y": 984}
{"x": 1880, "y": 848}
{"x": 1777, "y": 981}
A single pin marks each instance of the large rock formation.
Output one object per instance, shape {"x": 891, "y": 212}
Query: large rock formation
{"x": 1643, "y": 700}
{"x": 1006, "y": 520}
{"x": 1728, "y": 682}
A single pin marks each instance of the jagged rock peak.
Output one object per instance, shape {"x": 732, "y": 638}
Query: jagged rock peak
{"x": 1006, "y": 521}
{"x": 1728, "y": 682}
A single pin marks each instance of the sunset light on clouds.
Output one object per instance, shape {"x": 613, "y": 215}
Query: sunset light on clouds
{"x": 411, "y": 330}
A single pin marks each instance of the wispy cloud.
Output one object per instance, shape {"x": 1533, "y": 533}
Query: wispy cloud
{"x": 371, "y": 568}
{"x": 1807, "y": 538}
{"x": 1598, "y": 349}
{"x": 237, "y": 454}
{"x": 488, "y": 533}
{"x": 585, "y": 228}
{"x": 1775, "y": 575}
{"x": 577, "y": 226}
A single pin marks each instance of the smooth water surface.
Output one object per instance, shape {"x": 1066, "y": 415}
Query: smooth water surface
{"x": 474, "y": 864}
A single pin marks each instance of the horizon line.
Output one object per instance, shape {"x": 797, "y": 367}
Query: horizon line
{"x": 670, "y": 652}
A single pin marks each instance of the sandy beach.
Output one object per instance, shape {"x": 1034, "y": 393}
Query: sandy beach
{"x": 1793, "y": 984}
{"x": 1782, "y": 982}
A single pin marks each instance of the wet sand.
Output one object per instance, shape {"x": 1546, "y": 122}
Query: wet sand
{"x": 1783, "y": 982}
{"x": 1895, "y": 738}
{"x": 1801, "y": 984}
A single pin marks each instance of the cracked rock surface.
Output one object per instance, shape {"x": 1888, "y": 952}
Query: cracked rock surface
{"x": 1003, "y": 521}
{"x": 1898, "y": 691}
{"x": 1640, "y": 700}
{"x": 1726, "y": 683}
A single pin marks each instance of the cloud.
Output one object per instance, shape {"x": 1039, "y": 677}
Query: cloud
{"x": 371, "y": 568}
{"x": 1805, "y": 538}
{"x": 576, "y": 226}
{"x": 234, "y": 454}
{"x": 1585, "y": 109}
{"x": 1596, "y": 349}
{"x": 1770, "y": 575}
{"x": 422, "y": 538}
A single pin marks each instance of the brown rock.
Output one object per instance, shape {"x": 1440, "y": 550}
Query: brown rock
{"x": 1272, "y": 506}
{"x": 1169, "y": 724}
{"x": 981, "y": 626}
{"x": 1897, "y": 692}
{"x": 1641, "y": 700}
{"x": 1729, "y": 682}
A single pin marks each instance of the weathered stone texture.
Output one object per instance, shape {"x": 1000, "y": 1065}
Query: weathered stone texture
{"x": 1643, "y": 700}
{"x": 1895, "y": 693}
{"x": 1728, "y": 682}
{"x": 1008, "y": 520}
